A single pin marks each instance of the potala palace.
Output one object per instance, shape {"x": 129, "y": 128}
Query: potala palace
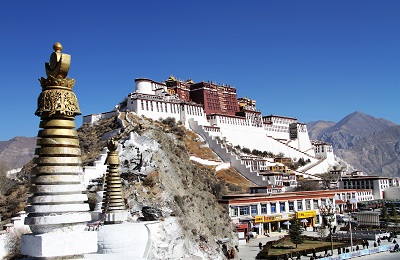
{"x": 223, "y": 120}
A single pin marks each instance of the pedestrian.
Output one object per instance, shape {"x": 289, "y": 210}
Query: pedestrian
{"x": 367, "y": 243}
{"x": 379, "y": 241}
{"x": 363, "y": 244}
{"x": 375, "y": 245}
{"x": 260, "y": 245}
{"x": 357, "y": 248}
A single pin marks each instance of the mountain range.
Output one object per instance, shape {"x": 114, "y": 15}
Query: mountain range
{"x": 368, "y": 144}
{"x": 16, "y": 152}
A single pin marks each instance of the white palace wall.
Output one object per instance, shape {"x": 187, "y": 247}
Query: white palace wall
{"x": 156, "y": 107}
{"x": 238, "y": 132}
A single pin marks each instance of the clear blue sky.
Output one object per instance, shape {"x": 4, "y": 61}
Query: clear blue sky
{"x": 314, "y": 60}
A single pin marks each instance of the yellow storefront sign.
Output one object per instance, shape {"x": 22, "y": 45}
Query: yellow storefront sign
{"x": 266, "y": 219}
{"x": 272, "y": 218}
{"x": 307, "y": 214}
{"x": 258, "y": 219}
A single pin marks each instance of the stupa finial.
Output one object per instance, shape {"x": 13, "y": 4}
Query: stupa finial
{"x": 59, "y": 62}
{"x": 57, "y": 47}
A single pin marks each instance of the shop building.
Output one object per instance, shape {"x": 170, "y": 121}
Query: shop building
{"x": 266, "y": 213}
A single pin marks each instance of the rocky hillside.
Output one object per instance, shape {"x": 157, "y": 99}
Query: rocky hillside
{"x": 365, "y": 142}
{"x": 16, "y": 152}
{"x": 181, "y": 194}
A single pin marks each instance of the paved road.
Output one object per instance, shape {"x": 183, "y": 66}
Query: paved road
{"x": 251, "y": 249}
{"x": 382, "y": 256}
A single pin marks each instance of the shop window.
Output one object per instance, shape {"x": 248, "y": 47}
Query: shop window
{"x": 263, "y": 208}
{"x": 234, "y": 211}
{"x": 273, "y": 208}
{"x": 291, "y": 206}
{"x": 254, "y": 210}
{"x": 282, "y": 206}
{"x": 299, "y": 205}
{"x": 308, "y": 204}
{"x": 315, "y": 204}
{"x": 244, "y": 210}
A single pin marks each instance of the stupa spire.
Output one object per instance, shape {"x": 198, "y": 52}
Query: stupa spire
{"x": 57, "y": 208}
{"x": 113, "y": 200}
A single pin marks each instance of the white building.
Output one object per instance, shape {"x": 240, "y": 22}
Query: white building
{"x": 377, "y": 184}
{"x": 247, "y": 128}
{"x": 265, "y": 213}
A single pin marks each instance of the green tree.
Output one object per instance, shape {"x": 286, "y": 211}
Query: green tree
{"x": 295, "y": 232}
{"x": 321, "y": 232}
{"x": 384, "y": 213}
{"x": 393, "y": 213}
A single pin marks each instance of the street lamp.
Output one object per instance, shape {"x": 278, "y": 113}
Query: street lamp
{"x": 351, "y": 202}
{"x": 329, "y": 213}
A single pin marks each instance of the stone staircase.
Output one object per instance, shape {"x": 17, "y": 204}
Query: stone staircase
{"x": 309, "y": 167}
{"x": 294, "y": 148}
{"x": 226, "y": 156}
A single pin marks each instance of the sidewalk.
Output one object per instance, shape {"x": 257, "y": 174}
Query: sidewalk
{"x": 251, "y": 249}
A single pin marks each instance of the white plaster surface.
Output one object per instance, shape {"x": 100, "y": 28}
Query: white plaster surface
{"x": 122, "y": 241}
{"x": 59, "y": 244}
{"x": 118, "y": 216}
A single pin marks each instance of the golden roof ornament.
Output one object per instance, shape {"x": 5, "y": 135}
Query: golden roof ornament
{"x": 57, "y": 96}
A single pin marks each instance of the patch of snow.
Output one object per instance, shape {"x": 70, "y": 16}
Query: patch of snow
{"x": 204, "y": 161}
{"x": 223, "y": 166}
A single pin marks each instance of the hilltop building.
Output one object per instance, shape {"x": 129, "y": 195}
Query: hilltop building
{"x": 216, "y": 113}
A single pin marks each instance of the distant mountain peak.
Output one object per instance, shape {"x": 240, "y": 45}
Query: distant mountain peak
{"x": 368, "y": 143}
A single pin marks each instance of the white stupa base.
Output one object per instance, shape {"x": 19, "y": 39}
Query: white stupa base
{"x": 116, "y": 217}
{"x": 122, "y": 241}
{"x": 96, "y": 215}
{"x": 59, "y": 244}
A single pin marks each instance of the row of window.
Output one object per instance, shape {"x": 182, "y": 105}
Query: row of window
{"x": 173, "y": 108}
{"x": 253, "y": 209}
